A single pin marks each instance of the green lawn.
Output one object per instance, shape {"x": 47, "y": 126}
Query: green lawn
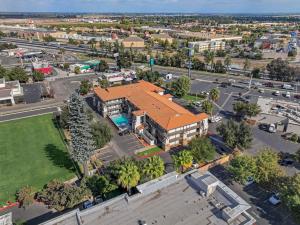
{"x": 32, "y": 152}
{"x": 192, "y": 98}
{"x": 150, "y": 151}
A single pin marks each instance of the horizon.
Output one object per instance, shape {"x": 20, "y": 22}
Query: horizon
{"x": 154, "y": 6}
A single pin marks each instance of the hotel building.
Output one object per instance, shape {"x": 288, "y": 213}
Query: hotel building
{"x": 150, "y": 113}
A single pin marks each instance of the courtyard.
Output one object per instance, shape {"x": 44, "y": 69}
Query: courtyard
{"x": 32, "y": 153}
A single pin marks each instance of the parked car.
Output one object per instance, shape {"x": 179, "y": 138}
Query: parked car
{"x": 287, "y": 87}
{"x": 215, "y": 119}
{"x": 286, "y": 162}
{"x": 198, "y": 104}
{"x": 261, "y": 90}
{"x": 287, "y": 94}
{"x": 98, "y": 199}
{"x": 87, "y": 204}
{"x": 269, "y": 84}
{"x": 276, "y": 93}
{"x": 297, "y": 96}
{"x": 267, "y": 127}
{"x": 258, "y": 84}
{"x": 275, "y": 199}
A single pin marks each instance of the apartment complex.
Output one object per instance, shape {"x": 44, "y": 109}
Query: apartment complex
{"x": 201, "y": 46}
{"x": 150, "y": 113}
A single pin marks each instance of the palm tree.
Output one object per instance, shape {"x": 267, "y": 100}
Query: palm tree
{"x": 209, "y": 58}
{"x": 153, "y": 167}
{"x": 128, "y": 175}
{"x": 214, "y": 94}
{"x": 227, "y": 62}
{"x": 183, "y": 160}
{"x": 207, "y": 107}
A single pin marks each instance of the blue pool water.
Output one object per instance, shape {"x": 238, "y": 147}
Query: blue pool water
{"x": 120, "y": 121}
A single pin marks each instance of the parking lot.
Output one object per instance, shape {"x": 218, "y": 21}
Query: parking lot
{"x": 107, "y": 155}
{"x": 263, "y": 211}
{"x": 128, "y": 143}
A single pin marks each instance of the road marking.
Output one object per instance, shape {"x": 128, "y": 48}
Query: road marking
{"x": 24, "y": 117}
{"x": 226, "y": 100}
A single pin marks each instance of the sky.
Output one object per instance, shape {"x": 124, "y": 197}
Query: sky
{"x": 150, "y": 6}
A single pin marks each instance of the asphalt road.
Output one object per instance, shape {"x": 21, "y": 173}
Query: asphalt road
{"x": 27, "y": 113}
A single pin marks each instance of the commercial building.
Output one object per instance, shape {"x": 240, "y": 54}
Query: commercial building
{"x": 201, "y": 46}
{"x": 42, "y": 67}
{"x": 162, "y": 37}
{"x": 143, "y": 108}
{"x": 195, "y": 198}
{"x": 83, "y": 68}
{"x": 119, "y": 77}
{"x": 10, "y": 91}
{"x": 133, "y": 42}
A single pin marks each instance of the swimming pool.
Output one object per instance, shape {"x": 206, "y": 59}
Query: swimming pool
{"x": 120, "y": 121}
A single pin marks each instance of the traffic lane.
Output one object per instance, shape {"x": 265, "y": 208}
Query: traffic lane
{"x": 264, "y": 212}
{"x": 28, "y": 113}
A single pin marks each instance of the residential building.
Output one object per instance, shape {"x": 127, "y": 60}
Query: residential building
{"x": 133, "y": 42}
{"x": 10, "y": 91}
{"x": 153, "y": 115}
{"x": 201, "y": 46}
{"x": 195, "y": 198}
{"x": 42, "y": 67}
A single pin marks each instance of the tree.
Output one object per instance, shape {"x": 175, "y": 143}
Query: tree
{"x": 152, "y": 168}
{"x": 290, "y": 194}
{"x": 183, "y": 160}
{"x": 64, "y": 117}
{"x": 214, "y": 94}
{"x": 181, "y": 86}
{"x": 227, "y": 62}
{"x": 104, "y": 83}
{"x": 25, "y": 196}
{"x": 82, "y": 142}
{"x": 102, "y": 134}
{"x": 242, "y": 167}
{"x": 103, "y": 66}
{"x": 77, "y": 70}
{"x": 202, "y": 150}
{"x": 60, "y": 196}
{"x": 49, "y": 38}
{"x": 268, "y": 168}
{"x": 198, "y": 64}
{"x": 38, "y": 76}
{"x": 256, "y": 73}
{"x": 3, "y": 72}
{"x": 280, "y": 70}
{"x": 18, "y": 73}
{"x": 219, "y": 68}
{"x": 207, "y": 107}
{"x": 235, "y": 135}
{"x": 128, "y": 175}
{"x": 246, "y": 109}
{"x": 101, "y": 185}
{"x": 247, "y": 65}
{"x": 85, "y": 87}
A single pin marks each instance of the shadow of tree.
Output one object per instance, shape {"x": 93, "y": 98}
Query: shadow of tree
{"x": 59, "y": 157}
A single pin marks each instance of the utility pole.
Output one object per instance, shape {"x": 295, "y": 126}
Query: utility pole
{"x": 190, "y": 54}
{"x": 250, "y": 82}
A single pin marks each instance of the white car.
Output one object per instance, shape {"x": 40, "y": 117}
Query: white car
{"x": 276, "y": 93}
{"x": 288, "y": 94}
{"x": 215, "y": 119}
{"x": 275, "y": 199}
{"x": 257, "y": 84}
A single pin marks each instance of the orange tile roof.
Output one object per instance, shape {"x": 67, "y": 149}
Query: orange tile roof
{"x": 144, "y": 96}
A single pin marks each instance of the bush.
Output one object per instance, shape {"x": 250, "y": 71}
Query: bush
{"x": 25, "y": 196}
{"x": 294, "y": 138}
